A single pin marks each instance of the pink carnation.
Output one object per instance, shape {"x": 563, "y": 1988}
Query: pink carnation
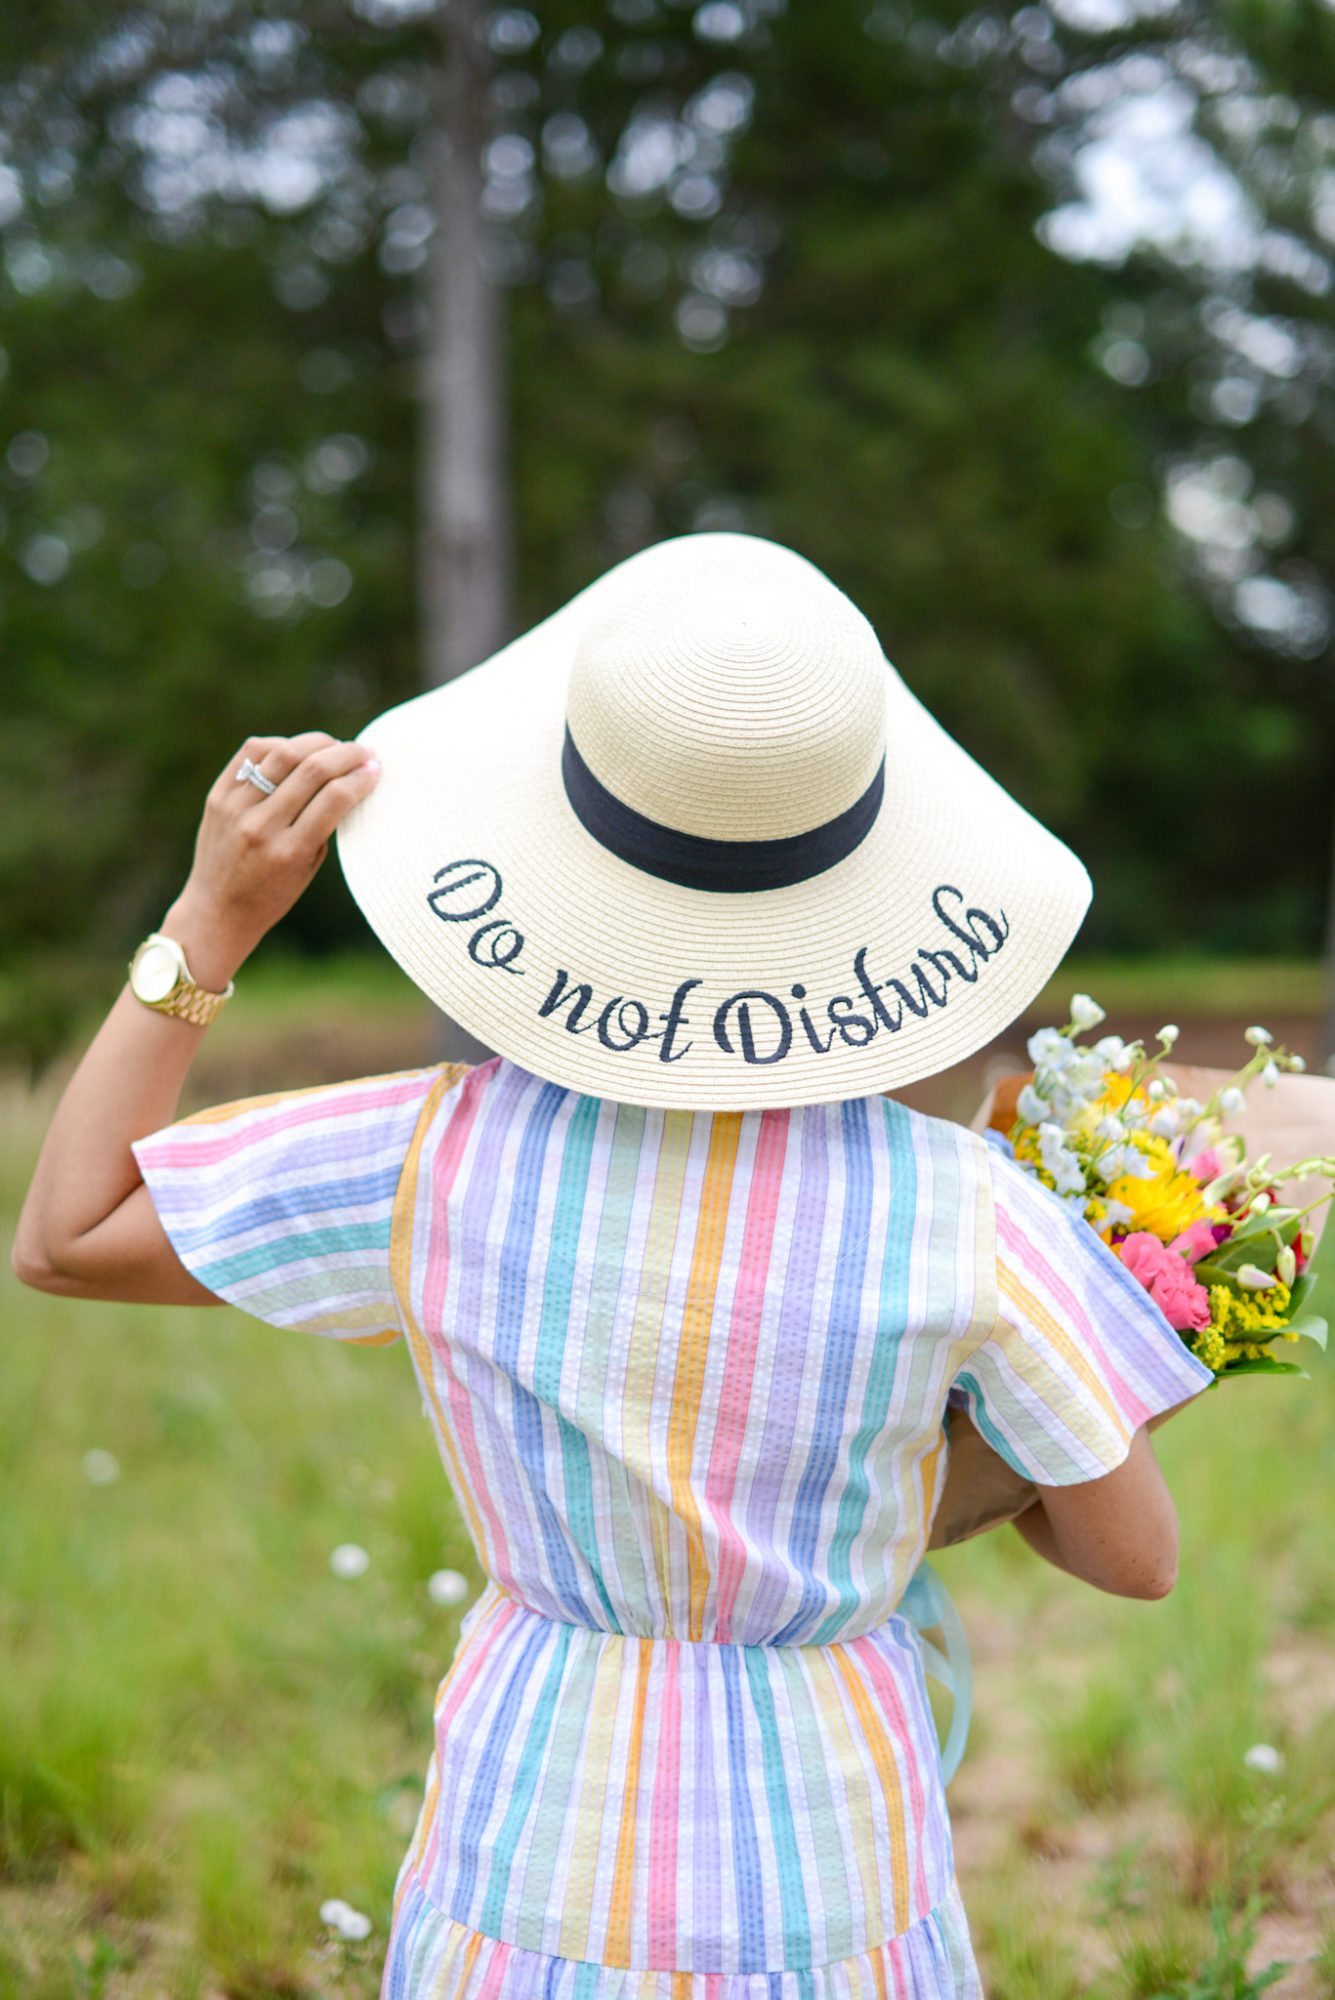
{"x": 1167, "y": 1278}
{"x": 1196, "y": 1241}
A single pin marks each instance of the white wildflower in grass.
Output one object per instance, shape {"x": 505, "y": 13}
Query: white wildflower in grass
{"x": 447, "y": 1586}
{"x": 1085, "y": 1012}
{"x": 1265, "y": 1758}
{"x": 100, "y": 1468}
{"x": 1032, "y": 1106}
{"x": 349, "y": 1559}
{"x": 1232, "y": 1100}
{"x": 1270, "y": 1075}
{"x": 344, "y": 1921}
{"x": 1258, "y": 1037}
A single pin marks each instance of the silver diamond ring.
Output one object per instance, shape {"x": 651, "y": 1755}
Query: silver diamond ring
{"x": 250, "y": 773}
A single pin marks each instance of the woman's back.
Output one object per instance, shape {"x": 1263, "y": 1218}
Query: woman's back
{"x": 688, "y": 1372}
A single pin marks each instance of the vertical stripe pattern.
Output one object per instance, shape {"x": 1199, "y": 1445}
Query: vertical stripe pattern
{"x": 688, "y": 1373}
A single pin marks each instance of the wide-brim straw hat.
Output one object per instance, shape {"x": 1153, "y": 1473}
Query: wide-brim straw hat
{"x": 692, "y": 842}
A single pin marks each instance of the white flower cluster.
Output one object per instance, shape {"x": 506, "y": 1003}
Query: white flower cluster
{"x": 1058, "y": 1105}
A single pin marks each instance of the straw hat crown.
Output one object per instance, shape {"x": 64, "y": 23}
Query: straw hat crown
{"x": 737, "y": 695}
{"x": 692, "y": 842}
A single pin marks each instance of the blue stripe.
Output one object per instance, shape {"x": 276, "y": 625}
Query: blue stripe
{"x": 524, "y": 1785}
{"x": 311, "y": 1200}
{"x": 553, "y": 1331}
{"x": 747, "y": 1878}
{"x": 482, "y": 1797}
{"x": 841, "y": 1342}
{"x": 891, "y": 1326}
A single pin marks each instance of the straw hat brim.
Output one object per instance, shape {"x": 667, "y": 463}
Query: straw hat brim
{"x": 471, "y": 772}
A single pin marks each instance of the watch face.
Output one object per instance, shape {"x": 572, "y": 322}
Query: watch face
{"x": 156, "y": 972}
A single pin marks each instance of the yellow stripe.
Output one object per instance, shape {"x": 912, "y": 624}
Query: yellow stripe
{"x": 1033, "y": 1309}
{"x": 577, "y": 1902}
{"x": 646, "y": 1339}
{"x": 684, "y": 1414}
{"x": 371, "y": 1339}
{"x": 471, "y": 1950}
{"x": 400, "y": 1258}
{"x": 887, "y": 1770}
{"x": 616, "y": 1950}
{"x": 849, "y": 1763}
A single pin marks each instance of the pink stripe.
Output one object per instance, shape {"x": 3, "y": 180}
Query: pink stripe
{"x": 263, "y": 1125}
{"x": 663, "y": 1823}
{"x": 495, "y": 1973}
{"x": 444, "y": 1171}
{"x": 883, "y": 1680}
{"x": 1032, "y": 1261}
{"x": 739, "y": 1363}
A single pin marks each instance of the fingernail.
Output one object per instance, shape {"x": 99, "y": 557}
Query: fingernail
{"x": 373, "y": 766}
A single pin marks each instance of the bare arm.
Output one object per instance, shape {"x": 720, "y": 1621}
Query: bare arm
{"x": 88, "y": 1227}
{"x": 1118, "y": 1533}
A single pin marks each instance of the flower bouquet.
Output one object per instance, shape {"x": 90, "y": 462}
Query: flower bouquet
{"x": 1167, "y": 1165}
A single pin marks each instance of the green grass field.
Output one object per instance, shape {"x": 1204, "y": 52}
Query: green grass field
{"x": 205, "y": 1733}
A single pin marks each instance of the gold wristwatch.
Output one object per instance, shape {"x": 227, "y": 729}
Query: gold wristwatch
{"x": 160, "y": 977}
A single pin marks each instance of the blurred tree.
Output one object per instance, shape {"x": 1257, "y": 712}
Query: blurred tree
{"x": 817, "y": 272}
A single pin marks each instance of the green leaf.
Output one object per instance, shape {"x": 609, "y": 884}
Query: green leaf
{"x": 1310, "y": 1327}
{"x": 1301, "y": 1291}
{"x": 1264, "y": 1365}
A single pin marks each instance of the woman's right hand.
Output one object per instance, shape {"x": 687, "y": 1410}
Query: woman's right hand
{"x": 256, "y": 853}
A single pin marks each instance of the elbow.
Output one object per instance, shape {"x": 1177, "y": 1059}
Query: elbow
{"x": 32, "y": 1266}
{"x": 1160, "y": 1581}
{"x": 1152, "y": 1579}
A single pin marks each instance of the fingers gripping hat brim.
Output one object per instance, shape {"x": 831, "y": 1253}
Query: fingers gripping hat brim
{"x": 912, "y": 951}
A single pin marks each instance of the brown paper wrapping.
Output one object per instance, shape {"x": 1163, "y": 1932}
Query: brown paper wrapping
{"x": 1292, "y": 1121}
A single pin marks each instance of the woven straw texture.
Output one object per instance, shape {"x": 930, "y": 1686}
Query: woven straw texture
{"x": 720, "y": 686}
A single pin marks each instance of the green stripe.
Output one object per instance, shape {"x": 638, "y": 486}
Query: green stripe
{"x": 525, "y": 1783}
{"x": 813, "y": 1756}
{"x": 289, "y": 1249}
{"x": 796, "y": 1925}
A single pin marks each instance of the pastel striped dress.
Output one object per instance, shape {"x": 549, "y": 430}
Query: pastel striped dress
{"x": 688, "y": 1373}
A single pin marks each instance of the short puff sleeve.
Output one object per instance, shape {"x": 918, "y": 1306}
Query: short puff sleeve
{"x": 1079, "y": 1355}
{"x": 285, "y": 1205}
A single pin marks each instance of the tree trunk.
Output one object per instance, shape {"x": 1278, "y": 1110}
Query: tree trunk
{"x": 465, "y": 551}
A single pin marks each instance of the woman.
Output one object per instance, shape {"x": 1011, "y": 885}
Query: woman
{"x": 686, "y": 1291}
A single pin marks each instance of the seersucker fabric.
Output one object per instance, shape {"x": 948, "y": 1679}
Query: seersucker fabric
{"x": 687, "y": 1372}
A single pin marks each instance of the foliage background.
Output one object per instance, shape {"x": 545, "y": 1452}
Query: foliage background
{"x": 1016, "y": 321}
